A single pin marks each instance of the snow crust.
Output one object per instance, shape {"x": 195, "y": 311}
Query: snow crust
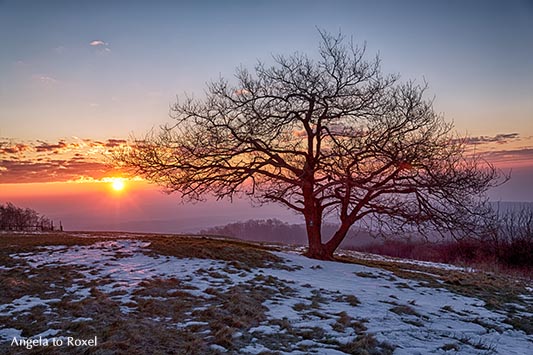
{"x": 376, "y": 294}
{"x": 437, "y": 316}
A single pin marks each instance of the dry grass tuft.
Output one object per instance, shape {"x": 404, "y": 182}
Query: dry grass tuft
{"x": 404, "y": 309}
{"x": 524, "y": 323}
{"x": 366, "y": 344}
{"x": 352, "y": 300}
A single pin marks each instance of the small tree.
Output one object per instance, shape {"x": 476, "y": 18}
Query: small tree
{"x": 326, "y": 136}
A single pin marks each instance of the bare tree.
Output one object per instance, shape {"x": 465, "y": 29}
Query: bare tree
{"x": 20, "y": 219}
{"x": 331, "y": 135}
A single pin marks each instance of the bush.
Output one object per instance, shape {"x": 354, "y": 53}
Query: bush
{"x": 507, "y": 242}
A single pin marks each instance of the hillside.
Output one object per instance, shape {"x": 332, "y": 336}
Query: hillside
{"x": 111, "y": 293}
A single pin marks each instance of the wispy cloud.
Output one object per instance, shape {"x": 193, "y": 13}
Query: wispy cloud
{"x": 45, "y": 80}
{"x": 114, "y": 143}
{"x": 524, "y": 155}
{"x": 53, "y": 170}
{"x": 55, "y": 148}
{"x": 97, "y": 43}
{"x": 65, "y": 160}
{"x": 102, "y": 45}
{"x": 13, "y": 148}
{"x": 77, "y": 159}
{"x": 240, "y": 92}
{"x": 501, "y": 138}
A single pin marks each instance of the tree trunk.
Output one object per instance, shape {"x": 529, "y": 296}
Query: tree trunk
{"x": 313, "y": 223}
{"x": 316, "y": 249}
{"x": 337, "y": 238}
{"x": 319, "y": 250}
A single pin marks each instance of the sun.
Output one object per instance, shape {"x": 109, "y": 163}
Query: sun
{"x": 117, "y": 184}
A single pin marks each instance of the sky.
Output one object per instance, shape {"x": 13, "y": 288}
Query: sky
{"x": 78, "y": 78}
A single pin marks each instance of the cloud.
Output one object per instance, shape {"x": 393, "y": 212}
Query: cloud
{"x": 240, "y": 92}
{"x": 64, "y": 160}
{"x": 13, "y": 148}
{"x": 56, "y": 170}
{"x": 113, "y": 143}
{"x": 46, "y": 147}
{"x": 98, "y": 42}
{"x": 102, "y": 45}
{"x": 45, "y": 80}
{"x": 57, "y": 148}
{"x": 501, "y": 138}
{"x": 512, "y": 155}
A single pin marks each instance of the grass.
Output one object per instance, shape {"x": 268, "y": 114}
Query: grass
{"x": 479, "y": 345}
{"x": 487, "y": 325}
{"x": 366, "y": 344}
{"x": 511, "y": 255}
{"x": 404, "y": 309}
{"x": 350, "y": 299}
{"x": 366, "y": 274}
{"x": 242, "y": 255}
{"x": 447, "y": 308}
{"x": 451, "y": 346}
{"x": 524, "y": 323}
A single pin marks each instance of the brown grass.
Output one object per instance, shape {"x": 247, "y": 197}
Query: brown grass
{"x": 350, "y": 299}
{"x": 366, "y": 344}
{"x": 242, "y": 255}
{"x": 404, "y": 309}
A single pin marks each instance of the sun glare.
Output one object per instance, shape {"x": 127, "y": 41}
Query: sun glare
{"x": 117, "y": 184}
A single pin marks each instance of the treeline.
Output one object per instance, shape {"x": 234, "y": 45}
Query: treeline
{"x": 13, "y": 218}
{"x": 274, "y": 230}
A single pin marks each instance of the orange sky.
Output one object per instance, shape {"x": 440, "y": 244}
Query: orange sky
{"x": 139, "y": 207}
{"x": 76, "y": 80}
{"x": 77, "y": 159}
{"x": 69, "y": 181}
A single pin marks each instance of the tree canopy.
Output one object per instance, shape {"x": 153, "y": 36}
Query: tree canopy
{"x": 324, "y": 135}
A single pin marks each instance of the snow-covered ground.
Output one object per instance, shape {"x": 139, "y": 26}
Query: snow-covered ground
{"x": 412, "y": 318}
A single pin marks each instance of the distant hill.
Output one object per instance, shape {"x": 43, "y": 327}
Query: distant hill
{"x": 274, "y": 230}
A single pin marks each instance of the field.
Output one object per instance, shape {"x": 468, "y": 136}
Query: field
{"x": 113, "y": 293}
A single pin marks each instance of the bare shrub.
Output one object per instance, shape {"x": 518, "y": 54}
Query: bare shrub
{"x": 505, "y": 245}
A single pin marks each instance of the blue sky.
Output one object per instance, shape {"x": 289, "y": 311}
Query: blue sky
{"x": 475, "y": 55}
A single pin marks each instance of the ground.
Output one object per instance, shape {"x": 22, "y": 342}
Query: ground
{"x": 135, "y": 294}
